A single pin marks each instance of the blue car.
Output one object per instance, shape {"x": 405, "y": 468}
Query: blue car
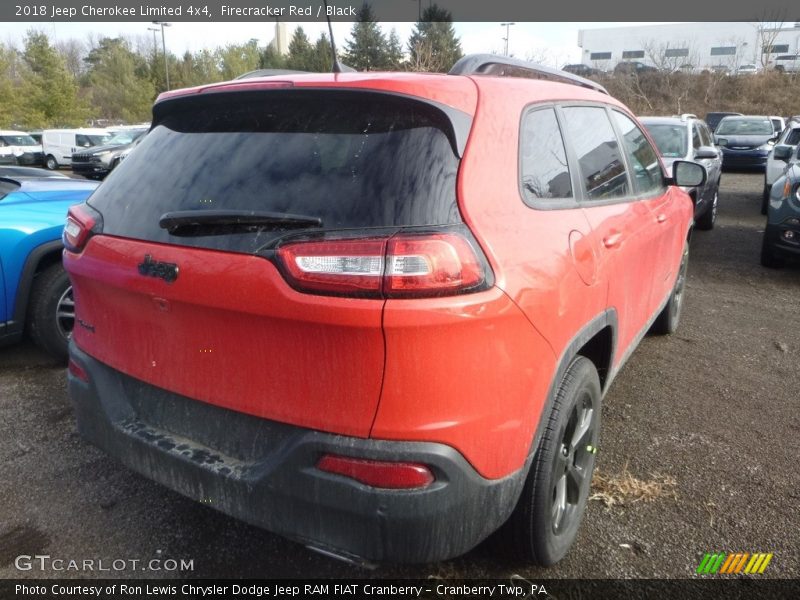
{"x": 35, "y": 293}
{"x": 745, "y": 141}
{"x": 782, "y": 233}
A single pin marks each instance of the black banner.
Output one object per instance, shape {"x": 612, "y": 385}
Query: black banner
{"x": 744, "y": 588}
{"x": 395, "y": 10}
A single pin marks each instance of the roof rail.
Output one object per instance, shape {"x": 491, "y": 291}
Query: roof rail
{"x": 503, "y": 66}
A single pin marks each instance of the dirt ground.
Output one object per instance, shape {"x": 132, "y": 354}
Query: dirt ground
{"x": 714, "y": 408}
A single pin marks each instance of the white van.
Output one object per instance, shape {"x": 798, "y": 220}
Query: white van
{"x": 59, "y": 144}
{"x": 19, "y": 148}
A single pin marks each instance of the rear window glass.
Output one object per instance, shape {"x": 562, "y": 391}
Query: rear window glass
{"x": 351, "y": 159}
{"x": 545, "y": 173}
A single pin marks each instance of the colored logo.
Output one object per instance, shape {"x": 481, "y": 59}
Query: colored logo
{"x": 740, "y": 562}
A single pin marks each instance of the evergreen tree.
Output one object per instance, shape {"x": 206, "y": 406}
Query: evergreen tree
{"x": 50, "y": 92}
{"x": 367, "y": 48}
{"x": 8, "y": 95}
{"x": 301, "y": 52}
{"x": 433, "y": 45}
{"x": 394, "y": 52}
{"x": 121, "y": 89}
{"x": 271, "y": 59}
{"x": 322, "y": 61}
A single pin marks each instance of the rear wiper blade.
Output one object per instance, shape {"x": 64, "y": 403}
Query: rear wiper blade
{"x": 211, "y": 222}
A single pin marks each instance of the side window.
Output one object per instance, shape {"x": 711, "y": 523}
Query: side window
{"x": 543, "y": 161}
{"x": 705, "y": 135}
{"x": 601, "y": 165}
{"x": 696, "y": 143}
{"x": 82, "y": 140}
{"x": 648, "y": 177}
{"x": 793, "y": 138}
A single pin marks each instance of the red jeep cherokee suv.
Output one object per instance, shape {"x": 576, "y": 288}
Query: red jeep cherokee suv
{"x": 376, "y": 312}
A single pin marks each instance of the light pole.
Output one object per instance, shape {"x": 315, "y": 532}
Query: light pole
{"x": 164, "y": 48}
{"x": 155, "y": 43}
{"x": 507, "y": 26}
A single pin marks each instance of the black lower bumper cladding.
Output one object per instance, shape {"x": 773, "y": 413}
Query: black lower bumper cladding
{"x": 263, "y": 472}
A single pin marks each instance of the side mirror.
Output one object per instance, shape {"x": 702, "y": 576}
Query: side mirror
{"x": 782, "y": 152}
{"x": 704, "y": 152}
{"x": 688, "y": 174}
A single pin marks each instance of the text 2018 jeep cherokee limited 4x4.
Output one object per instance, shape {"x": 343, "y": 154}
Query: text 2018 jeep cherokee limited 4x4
{"x": 376, "y": 312}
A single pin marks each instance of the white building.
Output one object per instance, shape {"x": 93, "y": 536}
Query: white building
{"x": 281, "y": 40}
{"x": 701, "y": 45}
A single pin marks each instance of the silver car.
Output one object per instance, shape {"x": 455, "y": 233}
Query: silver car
{"x": 686, "y": 137}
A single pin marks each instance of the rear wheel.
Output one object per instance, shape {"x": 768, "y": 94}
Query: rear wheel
{"x": 51, "y": 311}
{"x": 50, "y": 162}
{"x": 667, "y": 321}
{"x": 709, "y": 217}
{"x": 545, "y": 522}
{"x": 765, "y": 198}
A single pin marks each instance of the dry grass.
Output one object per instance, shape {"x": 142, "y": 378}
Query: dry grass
{"x": 625, "y": 489}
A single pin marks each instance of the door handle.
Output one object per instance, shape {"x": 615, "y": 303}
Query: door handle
{"x": 661, "y": 218}
{"x": 613, "y": 240}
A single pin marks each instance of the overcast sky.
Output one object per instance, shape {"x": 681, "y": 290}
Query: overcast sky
{"x": 553, "y": 43}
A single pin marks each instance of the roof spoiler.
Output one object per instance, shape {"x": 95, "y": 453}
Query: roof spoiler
{"x": 503, "y": 66}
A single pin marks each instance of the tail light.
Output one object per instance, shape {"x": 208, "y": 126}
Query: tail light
{"x": 82, "y": 222}
{"x": 400, "y": 266}
{"x": 379, "y": 474}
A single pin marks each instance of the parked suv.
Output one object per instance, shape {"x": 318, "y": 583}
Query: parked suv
{"x": 688, "y": 138}
{"x": 376, "y": 312}
{"x": 98, "y": 161}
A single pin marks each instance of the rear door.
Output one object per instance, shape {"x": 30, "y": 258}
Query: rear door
{"x": 204, "y": 308}
{"x": 621, "y": 222}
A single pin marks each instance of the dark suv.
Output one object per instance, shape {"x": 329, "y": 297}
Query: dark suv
{"x": 376, "y": 312}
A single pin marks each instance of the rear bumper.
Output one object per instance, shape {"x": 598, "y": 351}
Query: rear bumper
{"x": 263, "y": 472}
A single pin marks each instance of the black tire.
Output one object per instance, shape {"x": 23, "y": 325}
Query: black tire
{"x": 765, "y": 198}
{"x": 545, "y": 522}
{"x": 51, "y": 163}
{"x": 709, "y": 217}
{"x": 768, "y": 257}
{"x": 669, "y": 318}
{"x": 51, "y": 311}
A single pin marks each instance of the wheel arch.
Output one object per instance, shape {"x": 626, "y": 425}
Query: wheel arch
{"x": 38, "y": 259}
{"x": 596, "y": 341}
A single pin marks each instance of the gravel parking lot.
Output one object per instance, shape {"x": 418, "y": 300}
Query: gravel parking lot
{"x": 711, "y": 413}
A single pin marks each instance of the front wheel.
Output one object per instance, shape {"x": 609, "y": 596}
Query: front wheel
{"x": 709, "y": 217}
{"x": 545, "y": 522}
{"x": 667, "y": 321}
{"x": 51, "y": 312}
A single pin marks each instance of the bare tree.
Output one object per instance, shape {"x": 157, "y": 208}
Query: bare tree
{"x": 767, "y": 31}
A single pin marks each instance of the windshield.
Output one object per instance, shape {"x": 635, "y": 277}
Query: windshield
{"x": 18, "y": 140}
{"x": 352, "y": 159}
{"x": 671, "y": 140}
{"x": 123, "y": 138}
{"x": 745, "y": 127}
